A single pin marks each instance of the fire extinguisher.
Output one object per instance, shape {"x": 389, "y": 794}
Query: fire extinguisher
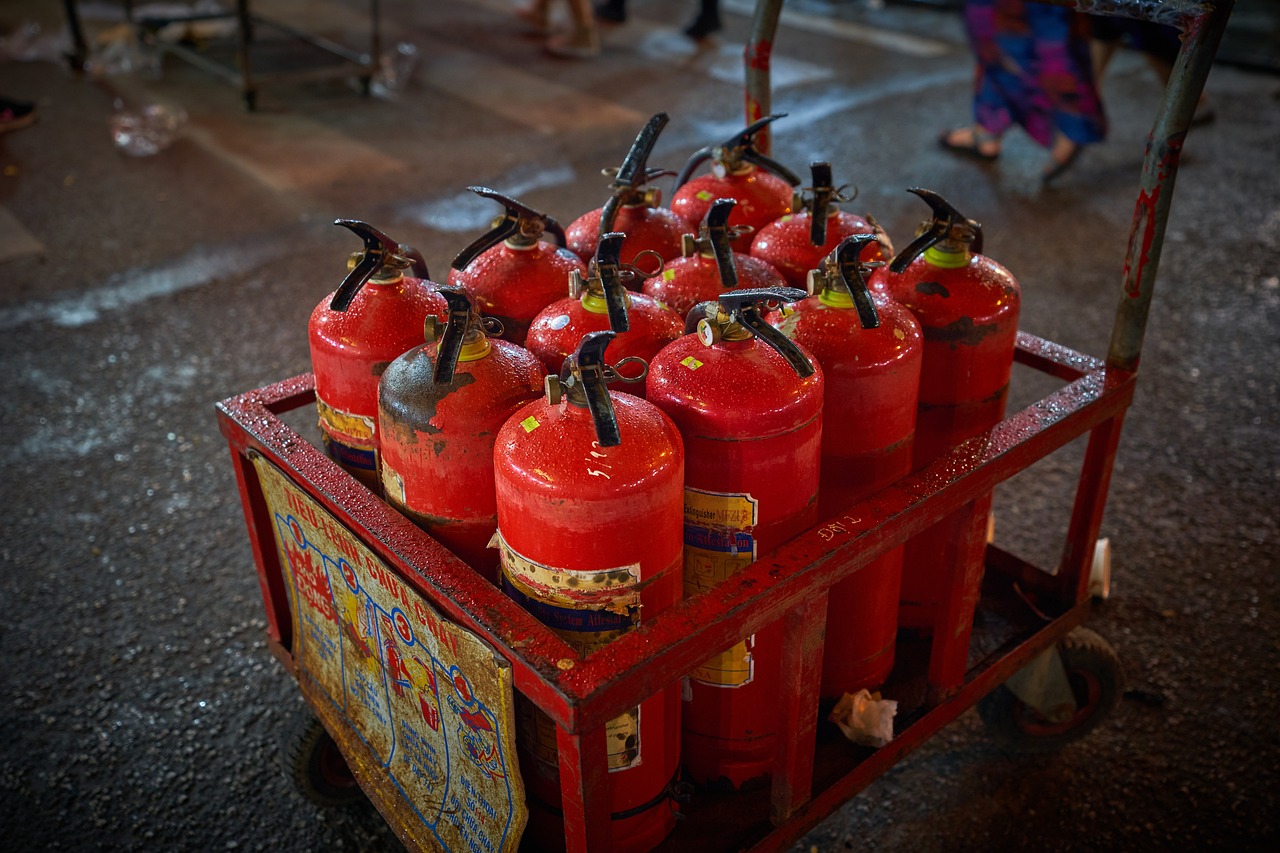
{"x": 511, "y": 272}
{"x": 967, "y": 306}
{"x": 355, "y": 332}
{"x": 870, "y": 349}
{"x": 633, "y": 209}
{"x": 440, "y": 405}
{"x": 590, "y": 508}
{"x": 799, "y": 241}
{"x": 761, "y": 186}
{"x": 603, "y": 302}
{"x": 710, "y": 265}
{"x": 748, "y": 402}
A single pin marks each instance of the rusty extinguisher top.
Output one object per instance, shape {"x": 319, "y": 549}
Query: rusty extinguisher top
{"x": 840, "y": 281}
{"x": 519, "y": 226}
{"x": 948, "y": 230}
{"x": 738, "y": 153}
{"x": 604, "y": 287}
{"x": 383, "y": 261}
{"x": 735, "y": 316}
{"x": 629, "y": 179}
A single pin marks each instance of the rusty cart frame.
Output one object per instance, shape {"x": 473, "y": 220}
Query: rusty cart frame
{"x": 1024, "y": 610}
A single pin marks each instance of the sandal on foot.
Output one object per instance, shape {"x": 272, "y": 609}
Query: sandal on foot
{"x": 972, "y": 146}
{"x": 1057, "y": 167}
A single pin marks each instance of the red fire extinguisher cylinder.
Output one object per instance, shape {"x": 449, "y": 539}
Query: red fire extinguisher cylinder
{"x": 440, "y": 406}
{"x": 357, "y": 331}
{"x": 633, "y": 209}
{"x": 510, "y": 272}
{"x": 967, "y": 306}
{"x": 797, "y": 242}
{"x": 870, "y": 350}
{"x": 748, "y": 403}
{"x": 590, "y": 505}
{"x": 599, "y": 303}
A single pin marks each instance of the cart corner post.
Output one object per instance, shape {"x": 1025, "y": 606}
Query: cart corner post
{"x": 1202, "y": 26}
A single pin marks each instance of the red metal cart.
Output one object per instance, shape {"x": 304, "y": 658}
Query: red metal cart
{"x": 1023, "y": 612}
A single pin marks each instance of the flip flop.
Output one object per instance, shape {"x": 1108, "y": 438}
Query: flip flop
{"x": 970, "y": 149}
{"x": 1058, "y": 167}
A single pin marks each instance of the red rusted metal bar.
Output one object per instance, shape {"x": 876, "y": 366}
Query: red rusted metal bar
{"x": 965, "y": 546}
{"x": 275, "y": 600}
{"x": 584, "y": 790}
{"x": 1203, "y": 25}
{"x": 1086, "y": 513}
{"x": 804, "y": 629}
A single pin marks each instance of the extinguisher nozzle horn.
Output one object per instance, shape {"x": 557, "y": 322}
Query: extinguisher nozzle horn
{"x": 584, "y": 377}
{"x": 378, "y": 247}
{"x": 945, "y": 221}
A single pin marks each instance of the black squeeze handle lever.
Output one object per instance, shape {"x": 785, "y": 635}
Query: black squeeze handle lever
{"x": 823, "y": 194}
{"x": 379, "y": 251}
{"x": 519, "y": 221}
{"x": 743, "y": 307}
{"x": 584, "y": 377}
{"x": 715, "y": 231}
{"x": 947, "y": 223}
{"x": 456, "y": 327}
{"x": 736, "y": 149}
{"x": 634, "y": 172}
{"x": 851, "y": 275}
{"x": 608, "y": 268}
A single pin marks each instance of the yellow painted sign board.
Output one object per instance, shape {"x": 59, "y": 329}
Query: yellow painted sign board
{"x": 431, "y": 701}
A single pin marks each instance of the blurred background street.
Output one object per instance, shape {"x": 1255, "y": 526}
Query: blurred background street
{"x": 139, "y": 705}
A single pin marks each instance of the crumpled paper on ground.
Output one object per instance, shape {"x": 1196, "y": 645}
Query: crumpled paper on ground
{"x": 865, "y": 718}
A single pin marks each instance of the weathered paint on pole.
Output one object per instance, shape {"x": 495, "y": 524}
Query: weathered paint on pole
{"x": 755, "y": 59}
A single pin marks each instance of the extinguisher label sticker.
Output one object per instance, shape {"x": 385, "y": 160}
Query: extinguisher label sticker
{"x": 587, "y": 609}
{"x": 719, "y": 542}
{"x": 530, "y": 423}
{"x": 691, "y": 363}
{"x": 345, "y": 424}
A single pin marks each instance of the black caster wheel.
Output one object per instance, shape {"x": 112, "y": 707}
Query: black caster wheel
{"x": 1097, "y": 680}
{"x": 313, "y": 761}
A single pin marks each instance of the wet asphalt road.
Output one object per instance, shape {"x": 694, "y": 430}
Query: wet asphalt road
{"x": 140, "y": 708}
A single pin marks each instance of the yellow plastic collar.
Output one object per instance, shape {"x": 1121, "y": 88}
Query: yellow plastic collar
{"x": 945, "y": 259}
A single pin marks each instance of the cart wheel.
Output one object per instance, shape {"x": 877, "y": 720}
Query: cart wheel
{"x": 315, "y": 764}
{"x": 366, "y": 85}
{"x": 1097, "y": 680}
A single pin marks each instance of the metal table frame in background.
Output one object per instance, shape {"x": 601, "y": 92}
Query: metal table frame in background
{"x": 333, "y": 60}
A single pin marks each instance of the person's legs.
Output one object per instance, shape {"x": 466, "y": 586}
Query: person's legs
{"x": 534, "y": 14}
{"x": 707, "y": 21}
{"x": 612, "y": 11}
{"x": 583, "y": 41}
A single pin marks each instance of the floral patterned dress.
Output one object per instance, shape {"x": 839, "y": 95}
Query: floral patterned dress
{"x": 1034, "y": 70}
